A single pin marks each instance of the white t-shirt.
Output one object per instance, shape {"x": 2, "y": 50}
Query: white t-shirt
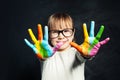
{"x": 66, "y": 65}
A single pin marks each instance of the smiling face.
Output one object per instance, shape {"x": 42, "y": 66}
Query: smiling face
{"x": 61, "y": 30}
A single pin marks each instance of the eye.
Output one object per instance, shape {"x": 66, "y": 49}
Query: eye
{"x": 54, "y": 32}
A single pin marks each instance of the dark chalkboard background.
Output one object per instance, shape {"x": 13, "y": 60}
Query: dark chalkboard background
{"x": 18, "y": 62}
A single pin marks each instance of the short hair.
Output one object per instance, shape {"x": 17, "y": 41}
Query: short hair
{"x": 59, "y": 21}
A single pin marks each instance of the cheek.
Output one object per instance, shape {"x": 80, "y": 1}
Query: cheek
{"x": 53, "y": 42}
{"x": 71, "y": 38}
{"x": 66, "y": 44}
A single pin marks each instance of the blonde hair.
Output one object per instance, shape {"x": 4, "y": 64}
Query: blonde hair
{"x": 59, "y": 21}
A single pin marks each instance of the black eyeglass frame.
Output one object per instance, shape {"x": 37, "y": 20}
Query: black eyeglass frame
{"x": 62, "y": 31}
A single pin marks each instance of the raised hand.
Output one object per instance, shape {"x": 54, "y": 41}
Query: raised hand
{"x": 41, "y": 46}
{"x": 91, "y": 44}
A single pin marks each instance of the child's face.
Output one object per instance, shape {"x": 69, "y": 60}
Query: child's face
{"x": 64, "y": 35}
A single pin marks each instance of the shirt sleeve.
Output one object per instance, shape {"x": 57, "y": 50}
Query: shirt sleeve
{"x": 80, "y": 57}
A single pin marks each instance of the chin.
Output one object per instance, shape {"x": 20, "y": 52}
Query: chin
{"x": 64, "y": 47}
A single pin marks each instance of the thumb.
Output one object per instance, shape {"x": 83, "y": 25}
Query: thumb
{"x": 57, "y": 47}
{"x": 104, "y": 41}
{"x": 75, "y": 45}
{"x": 31, "y": 45}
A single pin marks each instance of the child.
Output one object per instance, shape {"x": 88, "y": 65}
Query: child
{"x": 62, "y": 58}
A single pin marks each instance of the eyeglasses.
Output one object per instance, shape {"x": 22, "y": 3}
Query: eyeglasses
{"x": 65, "y": 32}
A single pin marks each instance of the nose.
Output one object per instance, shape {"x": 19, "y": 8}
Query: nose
{"x": 60, "y": 35}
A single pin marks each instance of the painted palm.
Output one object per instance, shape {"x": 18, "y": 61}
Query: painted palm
{"x": 91, "y": 44}
{"x": 41, "y": 46}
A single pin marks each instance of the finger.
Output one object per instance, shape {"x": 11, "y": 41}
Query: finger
{"x": 99, "y": 34}
{"x": 104, "y": 41}
{"x": 85, "y": 32}
{"x": 28, "y": 43}
{"x": 92, "y": 29}
{"x": 46, "y": 34}
{"x": 76, "y": 46}
{"x": 31, "y": 45}
{"x": 40, "y": 34}
{"x": 32, "y": 35}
